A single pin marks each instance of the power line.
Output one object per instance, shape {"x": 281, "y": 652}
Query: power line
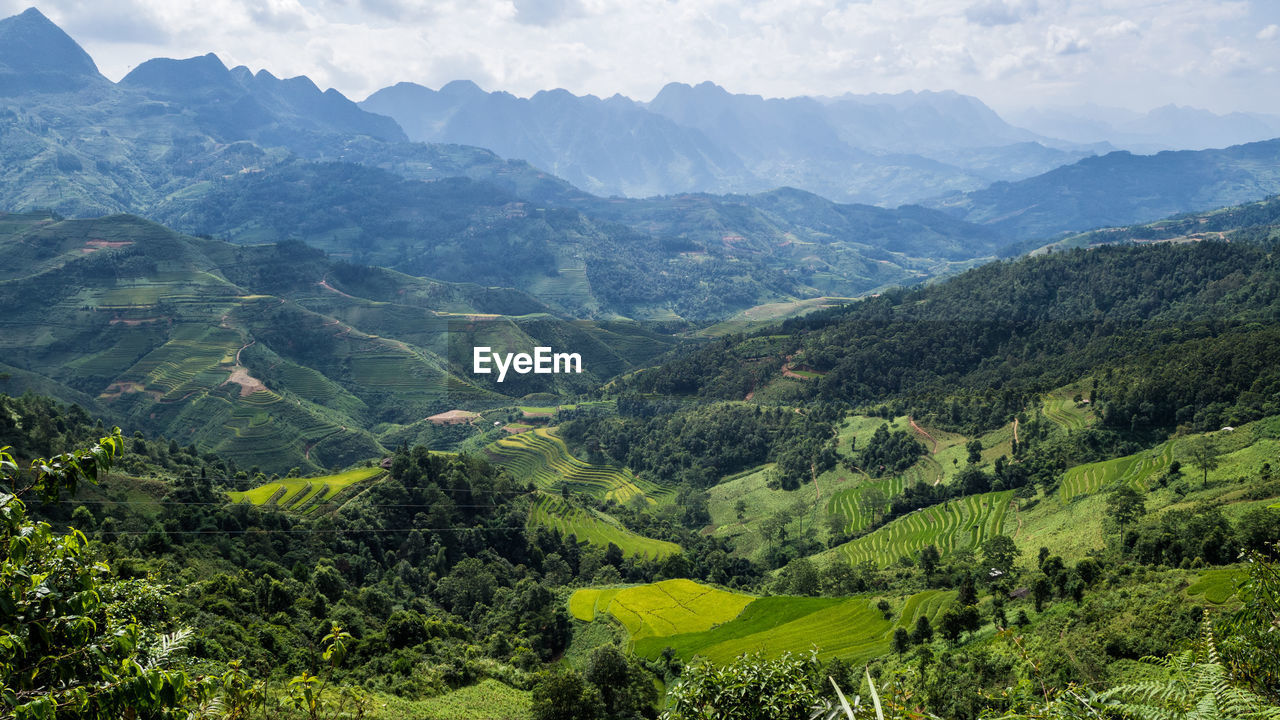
{"x": 318, "y": 531}
{"x": 233, "y": 504}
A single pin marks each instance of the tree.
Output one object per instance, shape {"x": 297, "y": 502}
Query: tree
{"x": 975, "y": 451}
{"x": 875, "y": 501}
{"x": 68, "y": 644}
{"x": 923, "y": 631}
{"x": 1124, "y": 505}
{"x": 999, "y": 553}
{"x": 1041, "y": 590}
{"x": 1205, "y": 455}
{"x": 901, "y": 640}
{"x": 749, "y": 688}
{"x": 565, "y": 696}
{"x": 625, "y": 688}
{"x": 929, "y": 559}
{"x": 801, "y": 577}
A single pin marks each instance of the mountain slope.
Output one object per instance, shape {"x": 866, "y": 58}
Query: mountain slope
{"x": 37, "y": 56}
{"x": 1121, "y": 189}
{"x": 688, "y": 258}
{"x": 271, "y": 355}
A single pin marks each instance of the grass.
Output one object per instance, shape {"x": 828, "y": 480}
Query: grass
{"x": 670, "y": 607}
{"x": 962, "y": 523}
{"x": 542, "y": 458}
{"x": 303, "y": 494}
{"x": 596, "y": 528}
{"x": 486, "y": 700}
{"x": 1136, "y": 471}
{"x": 1071, "y": 530}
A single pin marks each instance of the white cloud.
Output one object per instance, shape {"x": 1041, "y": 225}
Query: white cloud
{"x": 1065, "y": 41}
{"x": 1120, "y": 29}
{"x": 1137, "y": 53}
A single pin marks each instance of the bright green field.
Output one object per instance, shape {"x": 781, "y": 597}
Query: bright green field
{"x": 1136, "y": 471}
{"x": 850, "y": 628}
{"x": 486, "y": 700}
{"x": 696, "y": 620}
{"x": 541, "y": 457}
{"x": 1219, "y": 585}
{"x": 595, "y": 528}
{"x": 670, "y": 607}
{"x": 961, "y": 523}
{"x": 303, "y": 494}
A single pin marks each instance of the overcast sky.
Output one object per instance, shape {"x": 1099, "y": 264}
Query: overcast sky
{"x": 1220, "y": 55}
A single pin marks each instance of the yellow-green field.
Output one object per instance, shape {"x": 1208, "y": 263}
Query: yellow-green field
{"x": 696, "y": 620}
{"x": 542, "y": 458}
{"x": 595, "y": 528}
{"x": 303, "y": 494}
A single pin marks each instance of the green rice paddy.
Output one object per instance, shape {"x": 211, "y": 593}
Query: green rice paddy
{"x": 962, "y": 523}
{"x": 303, "y": 494}
{"x": 595, "y": 528}
{"x": 542, "y": 458}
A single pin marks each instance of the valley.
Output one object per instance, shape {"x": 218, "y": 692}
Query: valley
{"x": 867, "y": 392}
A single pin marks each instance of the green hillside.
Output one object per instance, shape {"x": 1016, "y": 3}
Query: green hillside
{"x": 304, "y": 494}
{"x": 269, "y": 356}
{"x": 595, "y": 528}
{"x": 541, "y": 457}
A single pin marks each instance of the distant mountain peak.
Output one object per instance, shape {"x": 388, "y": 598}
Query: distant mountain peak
{"x": 461, "y": 87}
{"x": 31, "y": 45}
{"x": 180, "y": 77}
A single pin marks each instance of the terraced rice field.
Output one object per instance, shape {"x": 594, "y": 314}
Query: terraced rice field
{"x": 589, "y": 603}
{"x": 966, "y": 522}
{"x": 303, "y": 494}
{"x": 670, "y": 607}
{"x": 850, "y": 628}
{"x": 726, "y": 625}
{"x": 1060, "y": 408}
{"x": 1219, "y": 585}
{"x": 596, "y": 528}
{"x": 1136, "y": 471}
{"x": 542, "y": 458}
{"x": 848, "y": 502}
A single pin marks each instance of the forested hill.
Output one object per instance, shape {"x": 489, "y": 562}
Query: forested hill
{"x": 1174, "y": 334}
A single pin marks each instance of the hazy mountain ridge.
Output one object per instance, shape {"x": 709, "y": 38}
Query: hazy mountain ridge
{"x": 1121, "y": 189}
{"x": 1170, "y": 127}
{"x": 871, "y": 149}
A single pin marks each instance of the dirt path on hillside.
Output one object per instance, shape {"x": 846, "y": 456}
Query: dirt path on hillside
{"x": 922, "y": 431}
{"x": 240, "y": 376}
{"x": 1015, "y": 430}
{"x": 324, "y": 283}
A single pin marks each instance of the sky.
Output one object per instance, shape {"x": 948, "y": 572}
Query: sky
{"x": 1219, "y": 55}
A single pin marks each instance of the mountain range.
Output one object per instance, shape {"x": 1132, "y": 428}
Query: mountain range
{"x": 877, "y": 149}
{"x": 252, "y": 158}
